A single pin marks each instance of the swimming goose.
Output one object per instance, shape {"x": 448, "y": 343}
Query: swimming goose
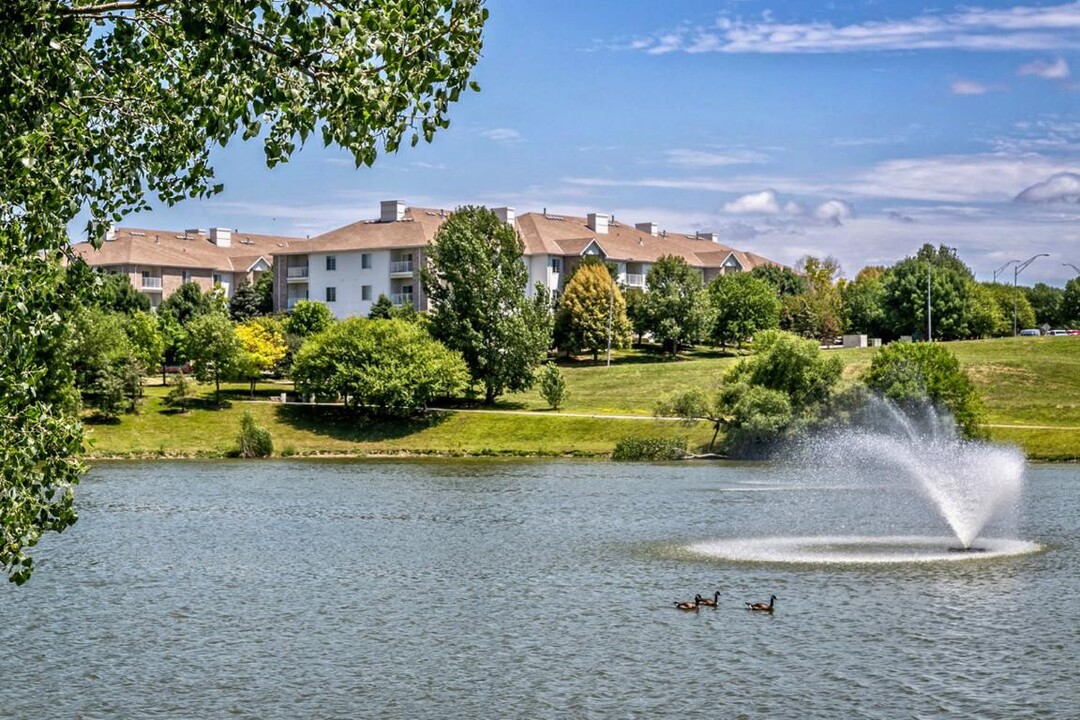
{"x": 689, "y": 605}
{"x": 762, "y": 607}
{"x": 711, "y": 603}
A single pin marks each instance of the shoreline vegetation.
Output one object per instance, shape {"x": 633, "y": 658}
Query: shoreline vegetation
{"x": 1030, "y": 388}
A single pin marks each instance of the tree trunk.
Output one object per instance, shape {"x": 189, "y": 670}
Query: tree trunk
{"x": 716, "y": 431}
{"x": 217, "y": 388}
{"x": 252, "y": 388}
{"x": 489, "y": 395}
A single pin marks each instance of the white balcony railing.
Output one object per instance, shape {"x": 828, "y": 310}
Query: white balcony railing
{"x": 635, "y": 280}
{"x": 401, "y": 298}
{"x": 151, "y": 283}
{"x": 401, "y": 266}
{"x": 297, "y": 271}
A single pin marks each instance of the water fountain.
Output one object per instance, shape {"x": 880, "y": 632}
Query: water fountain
{"x": 891, "y": 470}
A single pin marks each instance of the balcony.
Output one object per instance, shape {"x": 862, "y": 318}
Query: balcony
{"x": 635, "y": 280}
{"x": 297, "y": 273}
{"x": 401, "y": 268}
{"x": 401, "y": 298}
{"x": 151, "y": 283}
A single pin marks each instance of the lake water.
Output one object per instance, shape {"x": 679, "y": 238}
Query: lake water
{"x": 483, "y": 589}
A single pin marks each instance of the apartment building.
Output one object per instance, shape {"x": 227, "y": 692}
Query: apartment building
{"x": 158, "y": 261}
{"x": 350, "y": 267}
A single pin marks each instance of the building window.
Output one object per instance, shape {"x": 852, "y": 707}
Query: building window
{"x": 365, "y": 292}
{"x": 331, "y": 294}
{"x": 217, "y": 278}
{"x": 331, "y": 262}
{"x": 365, "y": 261}
{"x": 185, "y": 276}
{"x": 556, "y": 264}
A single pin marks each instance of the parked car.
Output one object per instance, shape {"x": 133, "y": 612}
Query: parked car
{"x": 1027, "y": 332}
{"x": 1073, "y": 332}
{"x": 1058, "y": 333}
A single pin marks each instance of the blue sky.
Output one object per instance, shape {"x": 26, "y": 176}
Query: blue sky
{"x": 854, "y": 129}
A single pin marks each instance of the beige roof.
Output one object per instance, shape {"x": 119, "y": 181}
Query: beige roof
{"x": 172, "y": 248}
{"x": 564, "y": 235}
{"x": 415, "y": 230}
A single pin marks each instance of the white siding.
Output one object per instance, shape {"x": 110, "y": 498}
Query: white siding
{"x": 348, "y": 278}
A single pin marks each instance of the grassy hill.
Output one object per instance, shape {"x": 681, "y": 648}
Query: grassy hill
{"x": 1030, "y": 386}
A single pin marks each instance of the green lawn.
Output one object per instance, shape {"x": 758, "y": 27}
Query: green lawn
{"x": 1023, "y": 381}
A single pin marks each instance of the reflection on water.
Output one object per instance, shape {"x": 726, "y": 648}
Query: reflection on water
{"x": 528, "y": 589}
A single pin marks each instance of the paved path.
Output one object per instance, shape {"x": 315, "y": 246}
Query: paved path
{"x": 1035, "y": 427}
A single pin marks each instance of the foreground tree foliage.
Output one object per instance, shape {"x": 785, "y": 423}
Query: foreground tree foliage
{"x": 105, "y": 103}
{"x": 386, "y": 367}
{"x": 475, "y": 281}
{"x": 262, "y": 347}
{"x": 213, "y": 349}
{"x": 914, "y": 373}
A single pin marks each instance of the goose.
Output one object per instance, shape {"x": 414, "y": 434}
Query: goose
{"x": 689, "y": 605}
{"x": 711, "y": 603}
{"x": 762, "y": 607}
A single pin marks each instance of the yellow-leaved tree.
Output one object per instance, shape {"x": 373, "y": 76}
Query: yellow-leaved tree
{"x": 262, "y": 341}
{"x": 591, "y": 310}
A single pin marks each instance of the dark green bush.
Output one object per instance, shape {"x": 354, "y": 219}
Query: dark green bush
{"x": 254, "y": 440}
{"x": 639, "y": 448}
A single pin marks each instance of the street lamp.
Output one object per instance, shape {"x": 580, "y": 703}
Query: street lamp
{"x": 998, "y": 271}
{"x": 1019, "y": 268}
{"x": 1077, "y": 269}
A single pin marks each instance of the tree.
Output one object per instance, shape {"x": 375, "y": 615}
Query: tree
{"x": 147, "y": 341}
{"x": 186, "y": 304}
{"x": 635, "y": 311}
{"x": 264, "y": 291}
{"x": 914, "y": 373}
{"x": 116, "y": 294}
{"x": 676, "y": 307}
{"x": 742, "y": 305}
{"x": 213, "y": 348}
{"x": 1070, "y": 303}
{"x": 592, "y": 311}
{"x": 1045, "y": 302}
{"x": 245, "y": 303}
{"x": 181, "y": 392}
{"x": 791, "y": 365}
{"x": 784, "y": 279}
{"x": 389, "y": 367}
{"x": 1007, "y": 300}
{"x": 262, "y": 346}
{"x": 308, "y": 317}
{"x": 951, "y": 294}
{"x": 475, "y": 281}
{"x": 382, "y": 308}
{"x": 103, "y": 104}
{"x": 863, "y": 303}
{"x": 552, "y": 386}
{"x": 821, "y": 302}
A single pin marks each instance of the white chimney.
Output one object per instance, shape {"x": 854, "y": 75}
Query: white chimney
{"x": 598, "y": 223}
{"x": 505, "y": 214}
{"x": 391, "y": 211}
{"x": 194, "y": 232}
{"x": 651, "y": 228}
{"x": 110, "y": 233}
{"x": 222, "y": 237}
{"x": 708, "y": 237}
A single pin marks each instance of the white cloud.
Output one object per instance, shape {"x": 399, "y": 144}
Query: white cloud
{"x": 503, "y": 135}
{"x": 967, "y": 87}
{"x": 1057, "y": 70}
{"x": 834, "y": 212}
{"x": 764, "y": 202}
{"x": 1017, "y": 28}
{"x": 1062, "y": 187}
{"x": 708, "y": 158}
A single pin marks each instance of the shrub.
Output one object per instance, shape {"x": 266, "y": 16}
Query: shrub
{"x": 639, "y": 448}
{"x": 254, "y": 440}
{"x": 180, "y": 392}
{"x": 552, "y": 386}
